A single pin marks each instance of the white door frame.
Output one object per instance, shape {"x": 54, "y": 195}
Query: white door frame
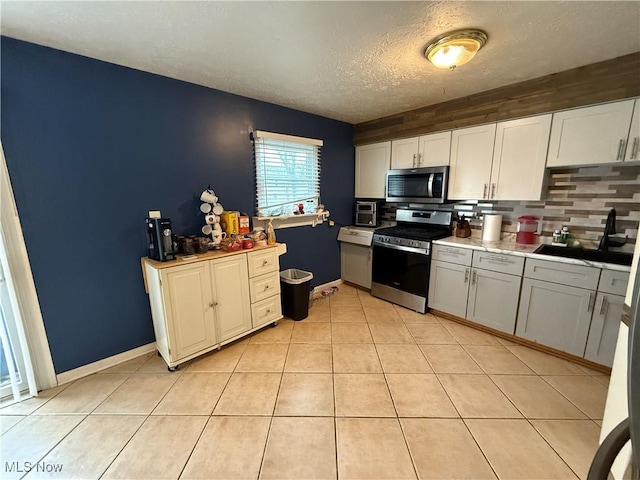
{"x": 24, "y": 286}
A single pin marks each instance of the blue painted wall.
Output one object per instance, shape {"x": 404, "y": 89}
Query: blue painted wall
{"x": 92, "y": 146}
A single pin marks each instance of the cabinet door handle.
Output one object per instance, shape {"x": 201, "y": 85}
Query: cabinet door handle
{"x": 473, "y": 278}
{"x": 413, "y": 164}
{"x": 484, "y": 193}
{"x": 493, "y": 190}
{"x": 591, "y": 301}
{"x": 620, "y": 150}
{"x": 634, "y": 149}
{"x": 213, "y": 304}
{"x": 419, "y": 159}
{"x": 466, "y": 275}
{"x": 604, "y": 306}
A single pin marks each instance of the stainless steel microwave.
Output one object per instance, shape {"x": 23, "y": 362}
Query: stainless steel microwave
{"x": 418, "y": 185}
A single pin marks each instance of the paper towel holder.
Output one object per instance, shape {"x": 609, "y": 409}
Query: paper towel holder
{"x": 491, "y": 227}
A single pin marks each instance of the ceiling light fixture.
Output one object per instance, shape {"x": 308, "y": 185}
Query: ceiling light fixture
{"x": 456, "y": 48}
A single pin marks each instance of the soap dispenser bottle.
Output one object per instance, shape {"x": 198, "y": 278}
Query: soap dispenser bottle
{"x": 271, "y": 234}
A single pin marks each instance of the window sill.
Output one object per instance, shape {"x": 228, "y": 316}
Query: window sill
{"x": 288, "y": 221}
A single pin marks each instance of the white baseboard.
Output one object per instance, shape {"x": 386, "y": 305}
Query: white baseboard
{"x": 90, "y": 368}
{"x": 317, "y": 291}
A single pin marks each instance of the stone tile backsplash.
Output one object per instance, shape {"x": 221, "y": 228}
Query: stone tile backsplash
{"x": 578, "y": 197}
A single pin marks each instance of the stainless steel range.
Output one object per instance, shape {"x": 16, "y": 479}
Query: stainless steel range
{"x": 402, "y": 257}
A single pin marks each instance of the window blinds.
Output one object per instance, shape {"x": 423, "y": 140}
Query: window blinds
{"x": 287, "y": 173}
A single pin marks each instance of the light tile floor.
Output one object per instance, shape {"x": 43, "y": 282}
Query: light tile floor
{"x": 359, "y": 389}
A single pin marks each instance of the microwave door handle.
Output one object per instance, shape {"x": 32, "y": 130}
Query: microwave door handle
{"x": 430, "y": 185}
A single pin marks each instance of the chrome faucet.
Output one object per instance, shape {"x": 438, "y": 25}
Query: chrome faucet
{"x": 610, "y": 229}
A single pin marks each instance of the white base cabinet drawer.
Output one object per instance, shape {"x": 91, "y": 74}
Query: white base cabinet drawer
{"x": 264, "y": 286}
{"x": 446, "y": 253}
{"x": 262, "y": 261}
{"x": 562, "y": 273}
{"x": 498, "y": 262}
{"x": 265, "y": 311}
{"x": 613, "y": 282}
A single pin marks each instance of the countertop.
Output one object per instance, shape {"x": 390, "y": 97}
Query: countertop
{"x": 512, "y": 248}
{"x": 210, "y": 255}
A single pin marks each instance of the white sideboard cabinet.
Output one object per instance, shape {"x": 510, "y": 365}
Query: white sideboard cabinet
{"x": 200, "y": 304}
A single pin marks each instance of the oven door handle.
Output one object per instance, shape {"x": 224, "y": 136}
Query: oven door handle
{"x": 430, "y": 185}
{"x": 420, "y": 251}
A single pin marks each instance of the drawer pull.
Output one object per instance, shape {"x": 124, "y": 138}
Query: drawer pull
{"x": 266, "y": 287}
{"x": 264, "y": 262}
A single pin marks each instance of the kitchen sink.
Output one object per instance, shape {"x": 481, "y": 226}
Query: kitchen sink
{"x": 619, "y": 258}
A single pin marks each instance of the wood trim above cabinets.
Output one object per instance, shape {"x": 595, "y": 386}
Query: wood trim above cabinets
{"x": 601, "y": 82}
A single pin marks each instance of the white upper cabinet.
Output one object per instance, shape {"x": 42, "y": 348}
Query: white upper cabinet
{"x": 591, "y": 135}
{"x": 519, "y": 158}
{"x": 425, "y": 151}
{"x": 435, "y": 149}
{"x": 633, "y": 144}
{"x": 372, "y": 163}
{"x": 471, "y": 157}
{"x": 404, "y": 153}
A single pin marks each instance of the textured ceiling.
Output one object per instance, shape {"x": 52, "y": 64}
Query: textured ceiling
{"x": 352, "y": 61}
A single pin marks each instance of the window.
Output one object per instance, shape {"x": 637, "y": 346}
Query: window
{"x": 287, "y": 173}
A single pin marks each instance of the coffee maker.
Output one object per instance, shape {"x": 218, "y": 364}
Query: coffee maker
{"x": 159, "y": 239}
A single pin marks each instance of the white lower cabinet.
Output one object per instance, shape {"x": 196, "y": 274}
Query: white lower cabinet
{"x": 355, "y": 264}
{"x": 199, "y": 306}
{"x": 448, "y": 287}
{"x": 231, "y": 296}
{"x": 493, "y": 299}
{"x": 489, "y": 297}
{"x": 188, "y": 309}
{"x": 572, "y": 308}
{"x": 555, "y": 315}
{"x": 605, "y": 324}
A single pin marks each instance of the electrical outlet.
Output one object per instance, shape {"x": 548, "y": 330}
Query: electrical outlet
{"x": 154, "y": 214}
{"x": 332, "y": 223}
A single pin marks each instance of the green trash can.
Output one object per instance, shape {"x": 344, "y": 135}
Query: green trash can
{"x": 294, "y": 286}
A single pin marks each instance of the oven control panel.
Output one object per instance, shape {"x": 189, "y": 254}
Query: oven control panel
{"x": 402, "y": 242}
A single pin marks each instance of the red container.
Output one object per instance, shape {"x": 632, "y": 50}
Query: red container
{"x": 247, "y": 244}
{"x": 526, "y": 230}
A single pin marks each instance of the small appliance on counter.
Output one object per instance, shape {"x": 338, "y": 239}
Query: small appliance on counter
{"x": 367, "y": 213}
{"x": 526, "y": 229}
{"x": 463, "y": 229}
{"x": 159, "y": 239}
